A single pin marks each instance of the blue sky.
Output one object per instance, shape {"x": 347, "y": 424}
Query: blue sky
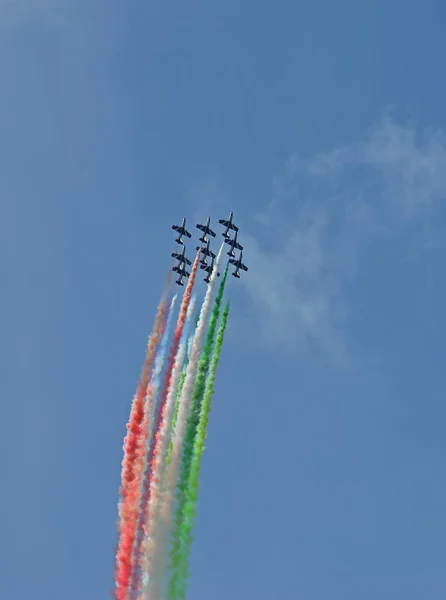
{"x": 322, "y": 125}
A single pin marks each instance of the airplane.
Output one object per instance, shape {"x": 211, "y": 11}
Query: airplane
{"x": 238, "y": 265}
{"x": 234, "y": 244}
{"x": 181, "y": 256}
{"x": 209, "y": 269}
{"x": 205, "y": 251}
{"x": 229, "y": 225}
{"x": 206, "y": 229}
{"x": 203, "y": 263}
{"x": 181, "y": 270}
{"x": 182, "y": 231}
{"x": 179, "y": 281}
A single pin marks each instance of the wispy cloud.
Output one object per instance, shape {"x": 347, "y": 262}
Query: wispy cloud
{"x": 323, "y": 209}
{"x": 407, "y": 166}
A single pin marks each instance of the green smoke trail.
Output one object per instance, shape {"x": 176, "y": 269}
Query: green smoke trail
{"x": 178, "y": 584}
{"x": 188, "y": 447}
{"x": 177, "y": 402}
{"x": 177, "y": 405}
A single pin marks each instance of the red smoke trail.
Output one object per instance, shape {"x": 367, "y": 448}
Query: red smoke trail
{"x": 160, "y": 411}
{"x": 146, "y": 440}
{"x": 133, "y": 443}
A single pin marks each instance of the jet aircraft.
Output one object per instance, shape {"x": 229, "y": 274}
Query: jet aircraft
{"x": 234, "y": 244}
{"x": 181, "y": 270}
{"x": 238, "y": 265}
{"x": 182, "y": 231}
{"x": 203, "y": 263}
{"x": 229, "y": 225}
{"x": 205, "y": 251}
{"x": 209, "y": 269}
{"x": 181, "y": 258}
{"x": 206, "y": 229}
{"x": 179, "y": 281}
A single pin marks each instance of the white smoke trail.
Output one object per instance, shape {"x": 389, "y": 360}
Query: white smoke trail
{"x": 153, "y": 592}
{"x": 190, "y": 309}
{"x": 152, "y": 393}
{"x": 189, "y": 382}
{"x": 152, "y": 581}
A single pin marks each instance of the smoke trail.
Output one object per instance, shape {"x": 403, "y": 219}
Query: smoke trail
{"x": 153, "y": 562}
{"x": 129, "y": 491}
{"x": 192, "y": 423}
{"x": 180, "y": 389}
{"x": 164, "y": 516}
{"x": 190, "y": 505}
{"x": 146, "y": 427}
{"x": 186, "y": 396}
{"x": 155, "y": 380}
{"x": 153, "y": 450}
{"x": 177, "y": 404}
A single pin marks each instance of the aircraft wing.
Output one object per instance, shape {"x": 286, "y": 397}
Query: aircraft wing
{"x": 234, "y": 244}
{"x": 181, "y": 257}
{"x": 238, "y": 264}
{"x": 182, "y": 230}
{"x": 181, "y": 271}
{"x": 226, "y": 223}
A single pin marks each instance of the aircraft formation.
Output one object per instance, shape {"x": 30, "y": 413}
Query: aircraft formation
{"x": 207, "y": 256}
